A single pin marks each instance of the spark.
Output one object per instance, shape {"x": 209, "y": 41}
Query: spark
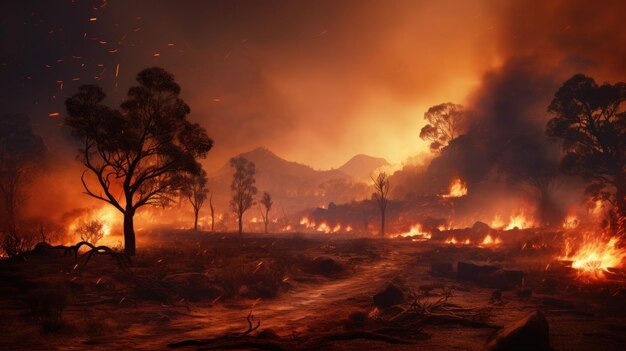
{"x": 93, "y": 19}
{"x": 117, "y": 70}
{"x": 54, "y": 114}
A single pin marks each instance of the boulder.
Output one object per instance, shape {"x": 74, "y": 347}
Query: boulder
{"x": 529, "y": 333}
{"x": 481, "y": 228}
{"x": 503, "y": 279}
{"x": 325, "y": 266}
{"x": 392, "y": 295}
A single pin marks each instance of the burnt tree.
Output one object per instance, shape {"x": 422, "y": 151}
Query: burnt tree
{"x": 143, "y": 150}
{"x": 381, "y": 195}
{"x": 195, "y": 190}
{"x": 243, "y": 188}
{"x": 266, "y": 201}
{"x": 591, "y": 121}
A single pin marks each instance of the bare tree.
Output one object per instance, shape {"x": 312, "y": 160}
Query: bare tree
{"x": 212, "y": 212}
{"x": 444, "y": 124}
{"x": 242, "y": 187}
{"x": 266, "y": 201}
{"x": 381, "y": 184}
{"x": 144, "y": 150}
{"x": 196, "y": 192}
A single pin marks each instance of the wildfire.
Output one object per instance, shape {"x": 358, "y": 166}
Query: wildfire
{"x": 307, "y": 223}
{"x": 457, "y": 189}
{"x": 452, "y": 241}
{"x": 490, "y": 241}
{"x": 571, "y": 222}
{"x": 595, "y": 256}
{"x": 415, "y": 232}
{"x": 107, "y": 215}
{"x": 519, "y": 221}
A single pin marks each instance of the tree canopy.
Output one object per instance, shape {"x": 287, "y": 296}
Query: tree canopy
{"x": 591, "y": 121}
{"x": 143, "y": 149}
{"x": 444, "y": 124}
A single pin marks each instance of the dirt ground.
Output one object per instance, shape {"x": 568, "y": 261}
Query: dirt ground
{"x": 186, "y": 285}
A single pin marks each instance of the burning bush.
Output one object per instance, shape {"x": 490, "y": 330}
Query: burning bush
{"x": 92, "y": 231}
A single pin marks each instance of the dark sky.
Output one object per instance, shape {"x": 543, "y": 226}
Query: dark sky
{"x": 315, "y": 81}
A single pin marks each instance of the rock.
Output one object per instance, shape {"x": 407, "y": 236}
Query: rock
{"x": 529, "y": 333}
{"x": 325, "y": 266}
{"x": 441, "y": 268}
{"x": 268, "y": 334}
{"x": 502, "y": 279}
{"x": 481, "y": 228}
{"x": 474, "y": 272}
{"x": 392, "y": 295}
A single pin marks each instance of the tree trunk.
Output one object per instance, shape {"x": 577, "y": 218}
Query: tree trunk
{"x": 382, "y": 224}
{"x": 266, "y": 219}
{"x": 212, "y": 213}
{"x": 195, "y": 220}
{"x": 129, "y": 233}
{"x": 240, "y": 222}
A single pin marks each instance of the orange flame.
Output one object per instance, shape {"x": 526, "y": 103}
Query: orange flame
{"x": 595, "y": 256}
{"x": 457, "y": 189}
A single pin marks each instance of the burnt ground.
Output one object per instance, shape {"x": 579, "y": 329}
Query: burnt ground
{"x": 196, "y": 286}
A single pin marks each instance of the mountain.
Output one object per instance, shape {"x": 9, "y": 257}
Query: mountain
{"x": 293, "y": 186}
{"x": 361, "y": 166}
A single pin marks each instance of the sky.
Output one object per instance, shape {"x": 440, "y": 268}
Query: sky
{"x": 316, "y": 82}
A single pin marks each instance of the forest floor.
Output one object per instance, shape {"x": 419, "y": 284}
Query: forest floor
{"x": 307, "y": 292}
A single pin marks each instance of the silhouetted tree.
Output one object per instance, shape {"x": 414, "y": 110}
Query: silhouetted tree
{"x": 529, "y": 160}
{"x": 91, "y": 231}
{"x": 444, "y": 124}
{"x": 266, "y": 201}
{"x": 145, "y": 149}
{"x": 20, "y": 147}
{"x": 242, "y": 187}
{"x": 381, "y": 184}
{"x": 591, "y": 121}
{"x": 196, "y": 192}
{"x": 212, "y": 212}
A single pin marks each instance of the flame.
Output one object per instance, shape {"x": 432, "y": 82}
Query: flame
{"x": 109, "y": 216}
{"x": 457, "y": 189}
{"x": 453, "y": 241}
{"x": 348, "y": 228}
{"x": 520, "y": 222}
{"x": 324, "y": 228}
{"x": 307, "y": 223}
{"x": 490, "y": 241}
{"x": 254, "y": 220}
{"x": 497, "y": 223}
{"x": 415, "y": 231}
{"x": 595, "y": 256}
{"x": 571, "y": 222}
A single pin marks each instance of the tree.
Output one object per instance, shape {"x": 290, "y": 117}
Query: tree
{"x": 532, "y": 160}
{"x": 444, "y": 124}
{"x": 212, "y": 212}
{"x": 144, "y": 150}
{"x": 20, "y": 147}
{"x": 266, "y": 201}
{"x": 591, "y": 121}
{"x": 196, "y": 192}
{"x": 381, "y": 184}
{"x": 242, "y": 187}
